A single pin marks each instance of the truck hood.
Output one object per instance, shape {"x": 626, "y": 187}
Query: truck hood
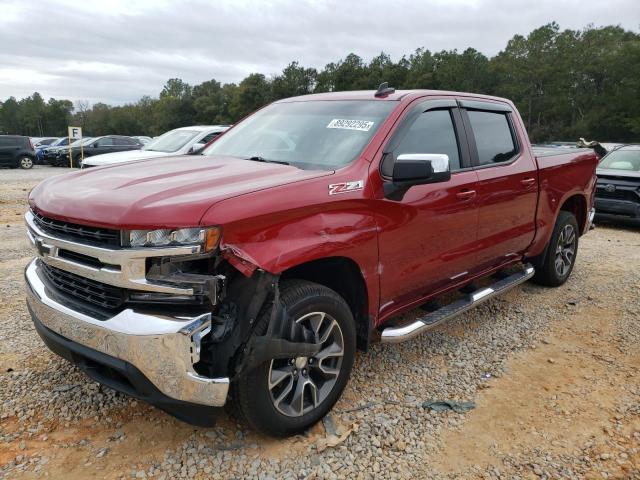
{"x": 167, "y": 192}
{"x": 119, "y": 157}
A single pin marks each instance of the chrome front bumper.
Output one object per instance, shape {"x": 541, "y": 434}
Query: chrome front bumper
{"x": 163, "y": 348}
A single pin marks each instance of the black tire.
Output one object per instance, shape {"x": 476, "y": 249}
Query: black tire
{"x": 252, "y": 395}
{"x": 25, "y": 162}
{"x": 549, "y": 273}
{"x": 76, "y": 161}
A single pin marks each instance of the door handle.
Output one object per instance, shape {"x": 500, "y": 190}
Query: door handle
{"x": 528, "y": 182}
{"x": 466, "y": 194}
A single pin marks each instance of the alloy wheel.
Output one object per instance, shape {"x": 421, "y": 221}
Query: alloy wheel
{"x": 565, "y": 250}
{"x": 26, "y": 163}
{"x": 299, "y": 385}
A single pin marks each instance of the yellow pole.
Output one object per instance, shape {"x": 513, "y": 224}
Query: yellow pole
{"x": 81, "y": 152}
{"x": 70, "y": 154}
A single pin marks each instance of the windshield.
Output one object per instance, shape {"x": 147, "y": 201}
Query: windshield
{"x": 323, "y": 135}
{"x": 623, "y": 159}
{"x": 171, "y": 141}
{"x": 60, "y": 142}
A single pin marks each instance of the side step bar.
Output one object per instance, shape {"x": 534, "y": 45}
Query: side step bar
{"x": 407, "y": 332}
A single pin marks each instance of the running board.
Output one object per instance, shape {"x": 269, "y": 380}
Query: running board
{"x": 407, "y": 332}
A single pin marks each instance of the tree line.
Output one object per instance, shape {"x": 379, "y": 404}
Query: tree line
{"x": 565, "y": 83}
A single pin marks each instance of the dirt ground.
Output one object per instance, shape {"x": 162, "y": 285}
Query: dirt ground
{"x": 563, "y": 401}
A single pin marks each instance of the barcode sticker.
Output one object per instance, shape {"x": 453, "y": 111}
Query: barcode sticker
{"x": 361, "y": 125}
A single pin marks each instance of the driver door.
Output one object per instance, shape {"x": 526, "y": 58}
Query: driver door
{"x": 427, "y": 239}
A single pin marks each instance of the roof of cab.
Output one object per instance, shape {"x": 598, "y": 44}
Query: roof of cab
{"x": 395, "y": 96}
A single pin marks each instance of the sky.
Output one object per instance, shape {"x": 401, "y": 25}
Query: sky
{"x": 117, "y": 51}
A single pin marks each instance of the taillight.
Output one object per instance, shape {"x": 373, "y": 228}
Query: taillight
{"x": 31, "y": 144}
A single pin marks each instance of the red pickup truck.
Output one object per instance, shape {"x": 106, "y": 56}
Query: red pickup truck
{"x": 255, "y": 271}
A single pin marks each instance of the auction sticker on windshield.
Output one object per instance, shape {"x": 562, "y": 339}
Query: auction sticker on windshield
{"x": 362, "y": 125}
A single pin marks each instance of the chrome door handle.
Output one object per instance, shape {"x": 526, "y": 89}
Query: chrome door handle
{"x": 528, "y": 182}
{"x": 466, "y": 194}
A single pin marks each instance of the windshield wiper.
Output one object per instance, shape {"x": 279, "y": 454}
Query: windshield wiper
{"x": 262, "y": 159}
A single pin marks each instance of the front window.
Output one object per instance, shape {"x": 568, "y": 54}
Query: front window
{"x": 171, "y": 141}
{"x": 623, "y": 159}
{"x": 312, "y": 135}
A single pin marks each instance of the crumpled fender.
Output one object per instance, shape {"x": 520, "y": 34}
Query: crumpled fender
{"x": 277, "y": 244}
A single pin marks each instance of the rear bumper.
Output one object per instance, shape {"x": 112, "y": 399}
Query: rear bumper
{"x": 152, "y": 354}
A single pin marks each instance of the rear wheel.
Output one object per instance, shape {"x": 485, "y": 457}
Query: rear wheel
{"x": 286, "y": 396}
{"x": 561, "y": 252}
{"x": 25, "y": 163}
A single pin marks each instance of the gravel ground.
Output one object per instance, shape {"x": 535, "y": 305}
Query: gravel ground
{"x": 554, "y": 374}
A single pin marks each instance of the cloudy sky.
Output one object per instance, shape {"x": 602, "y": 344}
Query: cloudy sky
{"x": 115, "y": 51}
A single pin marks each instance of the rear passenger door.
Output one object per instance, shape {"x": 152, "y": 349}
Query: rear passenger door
{"x": 120, "y": 144}
{"x": 100, "y": 146}
{"x": 507, "y": 182}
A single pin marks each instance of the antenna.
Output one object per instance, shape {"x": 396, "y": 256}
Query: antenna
{"x": 384, "y": 89}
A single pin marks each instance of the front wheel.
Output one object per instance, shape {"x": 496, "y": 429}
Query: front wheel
{"x": 561, "y": 253}
{"x": 286, "y": 396}
{"x": 25, "y": 163}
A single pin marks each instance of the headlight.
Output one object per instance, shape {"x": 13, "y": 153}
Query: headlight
{"x": 208, "y": 238}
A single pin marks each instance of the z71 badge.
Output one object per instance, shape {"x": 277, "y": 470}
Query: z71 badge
{"x": 346, "y": 187}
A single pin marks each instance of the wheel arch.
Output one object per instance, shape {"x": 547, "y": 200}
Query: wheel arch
{"x": 344, "y": 276}
{"x": 577, "y": 205}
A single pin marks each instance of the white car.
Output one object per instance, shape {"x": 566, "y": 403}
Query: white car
{"x": 180, "y": 141}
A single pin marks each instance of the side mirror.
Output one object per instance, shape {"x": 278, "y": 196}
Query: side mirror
{"x": 95, "y": 145}
{"x": 196, "y": 147}
{"x": 411, "y": 169}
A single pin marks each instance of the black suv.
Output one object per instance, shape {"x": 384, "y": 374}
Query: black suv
{"x": 96, "y": 146}
{"x": 16, "y": 151}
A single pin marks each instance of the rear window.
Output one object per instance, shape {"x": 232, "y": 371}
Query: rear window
{"x": 14, "y": 141}
{"x": 493, "y": 135}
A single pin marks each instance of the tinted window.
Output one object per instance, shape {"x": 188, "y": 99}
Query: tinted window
{"x": 207, "y": 138}
{"x": 432, "y": 132}
{"x": 492, "y": 133}
{"x": 7, "y": 141}
{"x": 122, "y": 141}
{"x": 105, "y": 142}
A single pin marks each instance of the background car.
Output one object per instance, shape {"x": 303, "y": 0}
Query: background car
{"x": 618, "y": 187}
{"x": 96, "y": 146}
{"x": 43, "y": 154}
{"x": 43, "y": 141}
{"x": 180, "y": 141}
{"x": 16, "y": 151}
{"x": 54, "y": 155}
{"x": 143, "y": 138}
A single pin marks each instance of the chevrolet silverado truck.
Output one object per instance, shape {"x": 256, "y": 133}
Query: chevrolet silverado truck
{"x": 252, "y": 274}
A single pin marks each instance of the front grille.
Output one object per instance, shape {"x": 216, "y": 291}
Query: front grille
{"x": 102, "y": 236}
{"x": 625, "y": 195}
{"x": 96, "y": 293}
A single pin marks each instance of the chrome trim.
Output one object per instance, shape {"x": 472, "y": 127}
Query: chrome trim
{"x": 458, "y": 275}
{"x": 480, "y": 294}
{"x": 163, "y": 348}
{"x": 431, "y": 320}
{"x": 592, "y": 214}
{"x": 126, "y": 266}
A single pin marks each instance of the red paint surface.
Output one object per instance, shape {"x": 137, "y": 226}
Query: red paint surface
{"x": 277, "y": 216}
